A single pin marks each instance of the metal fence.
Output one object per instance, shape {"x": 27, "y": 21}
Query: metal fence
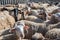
{"x": 3, "y": 2}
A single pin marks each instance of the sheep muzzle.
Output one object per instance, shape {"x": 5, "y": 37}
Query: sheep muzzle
{"x": 26, "y": 27}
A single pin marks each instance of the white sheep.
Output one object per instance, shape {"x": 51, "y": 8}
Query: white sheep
{"x": 19, "y": 29}
{"x": 34, "y": 19}
{"x": 38, "y": 36}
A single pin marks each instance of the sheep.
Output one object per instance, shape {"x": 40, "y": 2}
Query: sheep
{"x": 53, "y": 33}
{"x": 34, "y": 5}
{"x": 40, "y": 13}
{"x": 38, "y": 36}
{"x": 2, "y": 17}
{"x": 50, "y": 9}
{"x": 35, "y": 12}
{"x": 21, "y": 6}
{"x": 54, "y": 22}
{"x": 34, "y": 19}
{"x": 19, "y": 28}
{"x": 9, "y": 6}
{"x": 25, "y": 39}
{"x": 10, "y": 19}
{"x": 6, "y": 20}
{"x": 55, "y": 18}
{"x": 54, "y": 13}
{"x": 51, "y": 26}
{"x": 44, "y": 5}
{"x": 27, "y": 10}
{"x": 7, "y": 12}
{"x": 34, "y": 27}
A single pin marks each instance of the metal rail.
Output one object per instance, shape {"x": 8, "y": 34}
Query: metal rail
{"x": 3, "y": 2}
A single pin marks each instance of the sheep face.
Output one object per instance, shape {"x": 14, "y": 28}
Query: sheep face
{"x": 19, "y": 29}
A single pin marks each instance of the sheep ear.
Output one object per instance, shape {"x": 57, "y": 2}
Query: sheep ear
{"x": 26, "y": 27}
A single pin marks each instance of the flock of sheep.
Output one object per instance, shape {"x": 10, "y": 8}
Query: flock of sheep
{"x": 33, "y": 21}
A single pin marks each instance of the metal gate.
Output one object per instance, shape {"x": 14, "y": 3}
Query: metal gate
{"x": 3, "y": 2}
